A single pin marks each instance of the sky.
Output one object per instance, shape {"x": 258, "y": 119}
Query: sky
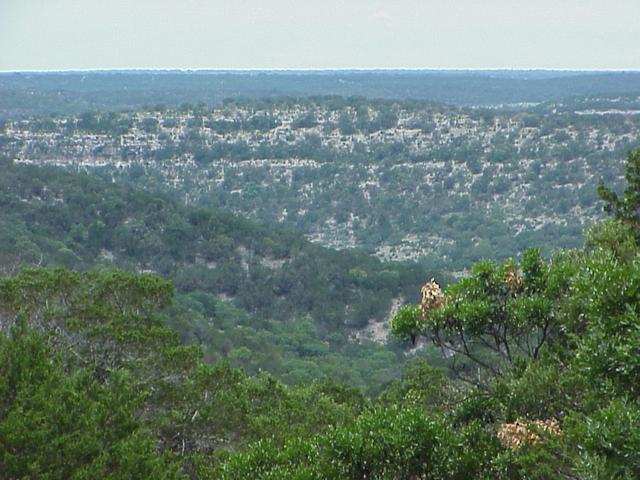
{"x": 323, "y": 34}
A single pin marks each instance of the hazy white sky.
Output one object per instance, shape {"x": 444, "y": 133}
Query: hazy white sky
{"x": 230, "y": 34}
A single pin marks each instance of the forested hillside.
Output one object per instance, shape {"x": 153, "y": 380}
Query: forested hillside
{"x": 405, "y": 180}
{"x": 261, "y": 298}
{"x": 93, "y": 385}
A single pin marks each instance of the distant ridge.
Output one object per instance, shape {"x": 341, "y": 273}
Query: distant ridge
{"x": 72, "y": 92}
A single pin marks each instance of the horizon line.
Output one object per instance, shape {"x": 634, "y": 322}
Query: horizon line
{"x": 320, "y": 70}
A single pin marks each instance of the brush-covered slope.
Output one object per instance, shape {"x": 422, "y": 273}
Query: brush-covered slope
{"x": 260, "y": 297}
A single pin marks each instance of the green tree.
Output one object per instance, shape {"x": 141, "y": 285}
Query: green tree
{"x": 70, "y": 426}
{"x": 627, "y": 207}
{"x": 500, "y": 315}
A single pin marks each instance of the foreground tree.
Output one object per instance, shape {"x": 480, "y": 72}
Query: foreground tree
{"x": 93, "y": 385}
{"x": 625, "y": 208}
{"x": 499, "y": 315}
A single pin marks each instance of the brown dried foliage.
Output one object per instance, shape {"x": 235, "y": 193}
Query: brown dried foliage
{"x": 513, "y": 279}
{"x": 515, "y": 435}
{"x": 432, "y": 297}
